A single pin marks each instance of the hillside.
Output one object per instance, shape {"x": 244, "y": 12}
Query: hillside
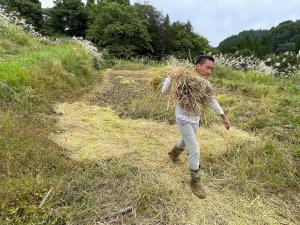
{"x": 279, "y": 39}
{"x": 79, "y": 145}
{"x": 34, "y": 74}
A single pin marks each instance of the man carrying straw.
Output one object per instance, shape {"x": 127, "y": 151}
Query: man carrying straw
{"x": 192, "y": 91}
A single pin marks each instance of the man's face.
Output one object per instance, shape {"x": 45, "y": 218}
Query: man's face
{"x": 205, "y": 68}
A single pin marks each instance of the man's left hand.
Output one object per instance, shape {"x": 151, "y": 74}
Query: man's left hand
{"x": 226, "y": 122}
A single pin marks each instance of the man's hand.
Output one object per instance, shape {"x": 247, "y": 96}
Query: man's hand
{"x": 226, "y": 121}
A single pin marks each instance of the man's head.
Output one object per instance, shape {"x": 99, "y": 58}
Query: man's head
{"x": 204, "y": 65}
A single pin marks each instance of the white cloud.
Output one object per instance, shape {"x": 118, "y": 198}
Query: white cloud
{"x": 46, "y": 3}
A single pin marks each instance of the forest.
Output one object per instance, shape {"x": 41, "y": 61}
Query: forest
{"x": 282, "y": 38}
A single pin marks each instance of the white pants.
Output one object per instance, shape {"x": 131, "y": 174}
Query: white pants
{"x": 188, "y": 132}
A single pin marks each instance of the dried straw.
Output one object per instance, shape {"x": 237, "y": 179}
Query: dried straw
{"x": 190, "y": 91}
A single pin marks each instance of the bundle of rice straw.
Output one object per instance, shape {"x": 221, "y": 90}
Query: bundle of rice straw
{"x": 190, "y": 90}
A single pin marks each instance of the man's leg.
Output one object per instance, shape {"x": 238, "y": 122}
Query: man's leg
{"x": 188, "y": 132}
{"x": 196, "y": 184}
{"x": 176, "y": 151}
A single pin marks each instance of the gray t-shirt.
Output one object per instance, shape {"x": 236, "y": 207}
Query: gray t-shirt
{"x": 181, "y": 113}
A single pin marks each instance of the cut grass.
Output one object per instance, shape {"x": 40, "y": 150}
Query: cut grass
{"x": 134, "y": 152}
{"x": 138, "y": 65}
{"x": 130, "y": 94}
{"x": 133, "y": 97}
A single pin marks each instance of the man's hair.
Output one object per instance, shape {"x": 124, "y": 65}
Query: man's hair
{"x": 202, "y": 58}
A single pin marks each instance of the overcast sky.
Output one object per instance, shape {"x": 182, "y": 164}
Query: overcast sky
{"x": 219, "y": 19}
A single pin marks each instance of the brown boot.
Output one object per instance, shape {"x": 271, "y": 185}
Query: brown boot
{"x": 174, "y": 154}
{"x": 196, "y": 184}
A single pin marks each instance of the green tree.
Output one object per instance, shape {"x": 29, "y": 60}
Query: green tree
{"x": 30, "y": 10}
{"x": 285, "y": 47}
{"x": 267, "y": 44}
{"x": 285, "y": 36}
{"x": 277, "y": 40}
{"x": 119, "y": 29}
{"x": 68, "y": 17}
{"x": 167, "y": 36}
{"x": 297, "y": 43}
{"x": 184, "y": 41}
{"x": 122, "y": 2}
{"x": 90, "y": 3}
{"x": 255, "y": 42}
{"x": 154, "y": 25}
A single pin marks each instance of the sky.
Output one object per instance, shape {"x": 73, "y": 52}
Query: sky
{"x": 219, "y": 19}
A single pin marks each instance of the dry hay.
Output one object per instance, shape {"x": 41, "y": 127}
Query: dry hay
{"x": 159, "y": 189}
{"x": 189, "y": 89}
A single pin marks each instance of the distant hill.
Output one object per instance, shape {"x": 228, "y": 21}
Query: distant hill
{"x": 279, "y": 39}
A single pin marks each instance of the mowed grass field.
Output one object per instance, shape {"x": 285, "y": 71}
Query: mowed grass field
{"x": 82, "y": 146}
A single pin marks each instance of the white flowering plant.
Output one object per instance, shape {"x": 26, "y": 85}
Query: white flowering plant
{"x": 284, "y": 65}
{"x": 14, "y": 18}
{"x": 98, "y": 56}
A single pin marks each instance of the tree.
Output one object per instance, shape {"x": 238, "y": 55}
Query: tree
{"x": 68, "y": 17}
{"x": 184, "y": 41}
{"x": 90, "y": 3}
{"x": 176, "y": 39}
{"x": 119, "y": 29}
{"x": 30, "y": 10}
{"x": 297, "y": 43}
{"x": 167, "y": 36}
{"x": 189, "y": 26}
{"x": 122, "y": 2}
{"x": 154, "y": 25}
{"x": 285, "y": 36}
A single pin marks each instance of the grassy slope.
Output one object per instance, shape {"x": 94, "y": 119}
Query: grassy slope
{"x": 34, "y": 75}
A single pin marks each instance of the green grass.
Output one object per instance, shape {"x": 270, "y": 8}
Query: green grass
{"x": 255, "y": 167}
{"x": 17, "y": 70}
{"x": 33, "y": 76}
{"x": 39, "y": 77}
{"x": 261, "y": 103}
{"x": 14, "y": 41}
